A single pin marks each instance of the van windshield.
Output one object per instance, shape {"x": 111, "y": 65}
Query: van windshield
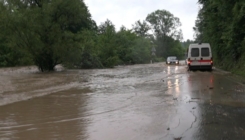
{"x": 205, "y": 52}
{"x": 194, "y": 52}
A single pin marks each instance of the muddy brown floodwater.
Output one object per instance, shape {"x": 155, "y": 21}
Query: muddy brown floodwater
{"x": 140, "y": 102}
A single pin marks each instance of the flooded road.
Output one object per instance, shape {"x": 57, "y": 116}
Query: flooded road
{"x": 140, "y": 102}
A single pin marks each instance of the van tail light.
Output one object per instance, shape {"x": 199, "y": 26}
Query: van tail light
{"x": 211, "y": 60}
{"x": 189, "y": 60}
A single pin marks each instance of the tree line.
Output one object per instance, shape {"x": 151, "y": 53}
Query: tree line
{"x": 222, "y": 23}
{"x": 51, "y": 32}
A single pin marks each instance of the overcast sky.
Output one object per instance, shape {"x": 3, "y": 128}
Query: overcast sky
{"x": 127, "y": 12}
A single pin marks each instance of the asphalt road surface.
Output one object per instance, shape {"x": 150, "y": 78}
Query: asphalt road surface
{"x": 139, "y": 102}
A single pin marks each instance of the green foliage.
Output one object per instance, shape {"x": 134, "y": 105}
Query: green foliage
{"x": 221, "y": 23}
{"x": 122, "y": 47}
{"x": 89, "y": 56}
{"x": 125, "y": 39}
{"x": 141, "y": 51}
{"x": 10, "y": 56}
{"x": 165, "y": 24}
{"x": 49, "y": 30}
{"x": 107, "y": 44}
{"x": 185, "y": 45}
{"x": 167, "y": 33}
{"x": 141, "y": 28}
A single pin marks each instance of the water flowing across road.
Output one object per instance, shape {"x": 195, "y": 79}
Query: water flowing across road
{"x": 152, "y": 101}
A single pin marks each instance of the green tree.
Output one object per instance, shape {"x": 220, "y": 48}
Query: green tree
{"x": 89, "y": 56}
{"x": 165, "y": 24}
{"x": 49, "y": 30}
{"x": 167, "y": 33}
{"x": 141, "y": 51}
{"x": 125, "y": 41}
{"x": 141, "y": 28}
{"x": 221, "y": 23}
{"x": 133, "y": 48}
{"x": 9, "y": 56}
{"x": 107, "y": 45}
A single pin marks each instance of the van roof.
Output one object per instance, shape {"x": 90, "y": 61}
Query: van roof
{"x": 201, "y": 44}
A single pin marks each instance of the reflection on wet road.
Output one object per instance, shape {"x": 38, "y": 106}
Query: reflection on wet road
{"x": 146, "y": 102}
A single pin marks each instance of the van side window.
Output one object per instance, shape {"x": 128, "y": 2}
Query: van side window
{"x": 205, "y": 52}
{"x": 194, "y": 52}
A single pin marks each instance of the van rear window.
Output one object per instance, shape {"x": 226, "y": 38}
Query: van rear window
{"x": 205, "y": 52}
{"x": 194, "y": 52}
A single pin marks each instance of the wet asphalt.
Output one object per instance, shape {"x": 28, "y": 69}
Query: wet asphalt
{"x": 139, "y": 102}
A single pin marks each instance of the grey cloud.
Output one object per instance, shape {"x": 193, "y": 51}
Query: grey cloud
{"x": 127, "y": 12}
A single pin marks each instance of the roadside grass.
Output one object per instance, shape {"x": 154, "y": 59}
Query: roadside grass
{"x": 237, "y": 71}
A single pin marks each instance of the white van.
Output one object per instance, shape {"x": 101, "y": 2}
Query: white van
{"x": 199, "y": 56}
